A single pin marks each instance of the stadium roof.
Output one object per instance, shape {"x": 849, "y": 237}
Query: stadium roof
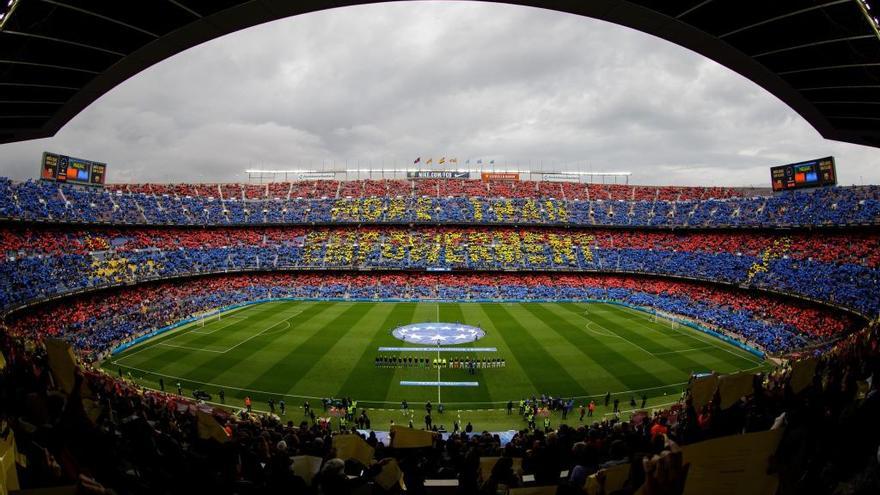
{"x": 822, "y": 58}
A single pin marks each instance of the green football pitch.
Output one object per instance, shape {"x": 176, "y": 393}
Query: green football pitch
{"x": 308, "y": 350}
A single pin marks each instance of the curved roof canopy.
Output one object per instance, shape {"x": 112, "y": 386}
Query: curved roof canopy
{"x": 821, "y": 57}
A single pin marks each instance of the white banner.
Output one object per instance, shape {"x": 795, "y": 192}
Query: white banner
{"x": 315, "y": 176}
{"x": 438, "y": 174}
{"x": 560, "y": 178}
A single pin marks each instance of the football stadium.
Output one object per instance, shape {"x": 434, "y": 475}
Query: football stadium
{"x": 450, "y": 325}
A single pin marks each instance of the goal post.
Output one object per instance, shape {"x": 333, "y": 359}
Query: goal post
{"x": 658, "y": 317}
{"x": 208, "y": 319}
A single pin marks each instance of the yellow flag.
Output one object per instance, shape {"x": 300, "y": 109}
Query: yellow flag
{"x": 353, "y": 447}
{"x": 62, "y": 363}
{"x": 409, "y": 438}
{"x": 732, "y": 387}
{"x": 390, "y": 475}
{"x": 306, "y": 467}
{"x": 802, "y": 374}
{"x": 702, "y": 390}
{"x": 2, "y": 361}
{"x": 8, "y": 456}
{"x": 732, "y": 465}
{"x": 615, "y": 478}
{"x": 93, "y": 409}
{"x": 209, "y": 428}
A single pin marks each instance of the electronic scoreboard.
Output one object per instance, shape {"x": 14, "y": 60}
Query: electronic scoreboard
{"x": 814, "y": 173}
{"x": 63, "y": 168}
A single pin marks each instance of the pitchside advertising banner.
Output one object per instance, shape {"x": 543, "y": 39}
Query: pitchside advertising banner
{"x": 437, "y": 174}
{"x": 63, "y": 168}
{"x": 499, "y": 176}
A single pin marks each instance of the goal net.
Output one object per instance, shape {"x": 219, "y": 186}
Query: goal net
{"x": 664, "y": 319}
{"x": 208, "y": 319}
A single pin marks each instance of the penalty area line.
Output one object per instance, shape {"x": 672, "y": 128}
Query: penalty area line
{"x": 235, "y": 319}
{"x": 270, "y": 327}
{"x": 163, "y": 344}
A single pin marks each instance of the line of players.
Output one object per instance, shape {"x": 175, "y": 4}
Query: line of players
{"x": 453, "y": 363}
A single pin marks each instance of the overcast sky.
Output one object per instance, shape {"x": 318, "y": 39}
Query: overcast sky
{"x": 381, "y": 85}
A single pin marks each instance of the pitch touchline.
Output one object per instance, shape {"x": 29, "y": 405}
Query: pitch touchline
{"x": 217, "y": 384}
{"x": 395, "y": 410}
{"x": 380, "y": 401}
{"x": 364, "y": 400}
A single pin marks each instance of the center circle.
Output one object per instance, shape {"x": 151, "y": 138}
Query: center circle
{"x": 438, "y": 333}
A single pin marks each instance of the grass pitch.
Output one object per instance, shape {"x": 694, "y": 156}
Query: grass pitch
{"x": 298, "y": 350}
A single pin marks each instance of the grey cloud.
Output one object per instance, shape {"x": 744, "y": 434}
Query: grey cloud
{"x": 383, "y": 84}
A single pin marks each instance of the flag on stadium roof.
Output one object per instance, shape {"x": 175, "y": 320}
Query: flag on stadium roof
{"x": 442, "y": 160}
{"x": 417, "y": 160}
{"x": 453, "y": 160}
{"x": 429, "y": 160}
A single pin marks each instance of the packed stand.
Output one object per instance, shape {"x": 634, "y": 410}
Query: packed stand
{"x": 104, "y": 433}
{"x": 437, "y": 201}
{"x": 95, "y": 323}
{"x": 45, "y": 261}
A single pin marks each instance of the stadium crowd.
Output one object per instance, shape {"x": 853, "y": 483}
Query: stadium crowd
{"x": 107, "y": 431}
{"x": 438, "y": 188}
{"x": 41, "y": 261}
{"x": 94, "y": 323}
{"x": 104, "y": 433}
{"x": 468, "y": 202}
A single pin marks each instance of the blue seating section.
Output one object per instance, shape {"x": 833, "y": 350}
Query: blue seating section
{"x": 43, "y": 201}
{"x": 37, "y": 277}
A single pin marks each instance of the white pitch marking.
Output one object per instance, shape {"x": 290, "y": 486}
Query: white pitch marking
{"x": 187, "y": 329}
{"x": 696, "y": 335}
{"x": 235, "y": 319}
{"x": 683, "y": 350}
{"x": 593, "y": 330}
{"x": 259, "y": 333}
{"x": 163, "y": 344}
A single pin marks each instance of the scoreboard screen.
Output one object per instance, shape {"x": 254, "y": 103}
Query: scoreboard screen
{"x": 63, "y": 168}
{"x": 813, "y": 173}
